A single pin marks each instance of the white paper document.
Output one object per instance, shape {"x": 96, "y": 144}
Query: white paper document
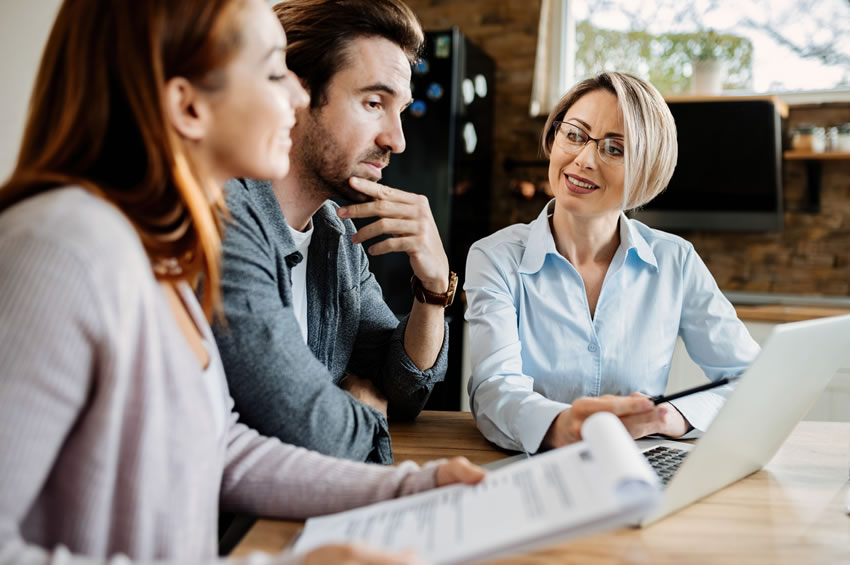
{"x": 600, "y": 483}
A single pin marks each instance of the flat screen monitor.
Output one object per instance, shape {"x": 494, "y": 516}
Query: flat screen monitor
{"x": 728, "y": 175}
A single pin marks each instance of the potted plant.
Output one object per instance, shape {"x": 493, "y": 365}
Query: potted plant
{"x": 708, "y": 73}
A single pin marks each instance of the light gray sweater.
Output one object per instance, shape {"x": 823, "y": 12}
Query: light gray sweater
{"x": 110, "y": 443}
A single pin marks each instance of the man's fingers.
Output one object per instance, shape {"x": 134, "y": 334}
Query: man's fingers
{"x": 395, "y": 244}
{"x": 383, "y": 227}
{"x": 379, "y": 208}
{"x": 382, "y": 192}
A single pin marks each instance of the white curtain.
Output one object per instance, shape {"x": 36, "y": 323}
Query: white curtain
{"x": 554, "y": 64}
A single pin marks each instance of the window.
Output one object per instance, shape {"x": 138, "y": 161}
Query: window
{"x": 756, "y": 46}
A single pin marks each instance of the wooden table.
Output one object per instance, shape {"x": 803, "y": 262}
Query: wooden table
{"x": 781, "y": 313}
{"x": 790, "y": 512}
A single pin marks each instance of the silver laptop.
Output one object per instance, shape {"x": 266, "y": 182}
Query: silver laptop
{"x": 795, "y": 364}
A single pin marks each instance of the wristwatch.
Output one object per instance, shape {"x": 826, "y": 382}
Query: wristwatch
{"x": 444, "y": 299}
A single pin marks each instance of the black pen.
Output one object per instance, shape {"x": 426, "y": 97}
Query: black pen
{"x": 725, "y": 380}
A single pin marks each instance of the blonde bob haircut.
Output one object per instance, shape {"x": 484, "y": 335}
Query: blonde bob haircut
{"x": 650, "y": 136}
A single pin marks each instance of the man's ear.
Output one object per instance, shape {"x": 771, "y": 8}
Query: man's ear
{"x": 187, "y": 108}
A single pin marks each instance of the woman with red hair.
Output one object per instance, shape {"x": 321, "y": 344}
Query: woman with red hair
{"x": 117, "y": 438}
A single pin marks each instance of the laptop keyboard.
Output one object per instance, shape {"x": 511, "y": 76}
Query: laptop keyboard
{"x": 665, "y": 460}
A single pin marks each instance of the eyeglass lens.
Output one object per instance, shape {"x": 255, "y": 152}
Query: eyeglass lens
{"x": 610, "y": 149}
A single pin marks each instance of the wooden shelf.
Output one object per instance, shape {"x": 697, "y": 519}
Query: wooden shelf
{"x": 830, "y": 156}
{"x": 814, "y": 169}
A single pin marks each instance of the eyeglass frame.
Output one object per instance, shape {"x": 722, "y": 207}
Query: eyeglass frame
{"x": 605, "y": 159}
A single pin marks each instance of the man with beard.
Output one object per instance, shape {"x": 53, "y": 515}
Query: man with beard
{"x": 312, "y": 353}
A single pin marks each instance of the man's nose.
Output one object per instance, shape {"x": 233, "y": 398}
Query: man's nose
{"x": 391, "y": 136}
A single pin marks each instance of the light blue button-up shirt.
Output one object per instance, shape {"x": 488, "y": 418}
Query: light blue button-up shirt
{"x": 535, "y": 347}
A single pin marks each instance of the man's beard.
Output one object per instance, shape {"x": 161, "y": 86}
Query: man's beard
{"x": 324, "y": 164}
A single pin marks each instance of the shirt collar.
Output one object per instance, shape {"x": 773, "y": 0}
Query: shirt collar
{"x": 326, "y": 217}
{"x": 540, "y": 242}
{"x": 630, "y": 239}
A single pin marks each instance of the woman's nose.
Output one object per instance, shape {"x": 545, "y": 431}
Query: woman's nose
{"x": 300, "y": 98}
{"x": 587, "y": 156}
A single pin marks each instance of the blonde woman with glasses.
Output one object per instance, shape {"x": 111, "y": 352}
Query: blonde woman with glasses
{"x": 579, "y": 311}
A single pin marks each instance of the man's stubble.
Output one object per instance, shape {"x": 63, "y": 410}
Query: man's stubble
{"x": 325, "y": 168}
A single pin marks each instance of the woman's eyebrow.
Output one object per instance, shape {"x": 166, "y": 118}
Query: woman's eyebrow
{"x": 586, "y": 126}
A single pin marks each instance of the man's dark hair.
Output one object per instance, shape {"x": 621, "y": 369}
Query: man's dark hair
{"x": 318, "y": 34}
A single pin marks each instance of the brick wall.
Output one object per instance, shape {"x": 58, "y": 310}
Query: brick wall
{"x": 812, "y": 254}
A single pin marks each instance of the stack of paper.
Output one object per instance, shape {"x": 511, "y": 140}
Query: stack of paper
{"x": 600, "y": 483}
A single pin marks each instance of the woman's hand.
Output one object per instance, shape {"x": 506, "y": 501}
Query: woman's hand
{"x": 637, "y": 412}
{"x": 459, "y": 470}
{"x": 673, "y": 423}
{"x": 455, "y": 470}
{"x": 670, "y": 424}
{"x": 358, "y": 554}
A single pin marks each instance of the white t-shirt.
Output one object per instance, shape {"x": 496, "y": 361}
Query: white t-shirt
{"x": 299, "y": 276}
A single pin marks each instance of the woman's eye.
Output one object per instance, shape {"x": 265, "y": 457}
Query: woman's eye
{"x": 278, "y": 77}
{"x": 614, "y": 150}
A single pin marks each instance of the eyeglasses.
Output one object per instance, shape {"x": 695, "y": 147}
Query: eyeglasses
{"x": 572, "y": 139}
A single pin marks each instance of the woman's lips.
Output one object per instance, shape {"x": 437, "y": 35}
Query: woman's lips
{"x": 578, "y": 185}
{"x": 284, "y": 137}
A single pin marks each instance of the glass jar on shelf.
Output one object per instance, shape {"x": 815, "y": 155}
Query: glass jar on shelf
{"x": 843, "y": 137}
{"x": 831, "y": 139}
{"x": 808, "y": 138}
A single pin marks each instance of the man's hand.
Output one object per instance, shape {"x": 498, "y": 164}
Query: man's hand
{"x": 637, "y": 412}
{"x": 365, "y": 391}
{"x": 407, "y": 217}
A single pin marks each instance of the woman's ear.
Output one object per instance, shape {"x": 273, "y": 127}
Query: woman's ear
{"x": 187, "y": 108}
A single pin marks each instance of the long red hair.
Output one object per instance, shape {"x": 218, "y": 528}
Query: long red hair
{"x": 96, "y": 120}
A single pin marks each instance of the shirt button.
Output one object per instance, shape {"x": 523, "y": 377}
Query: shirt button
{"x": 592, "y": 347}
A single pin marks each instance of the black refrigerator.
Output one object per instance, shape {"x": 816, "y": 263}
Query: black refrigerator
{"x": 448, "y": 129}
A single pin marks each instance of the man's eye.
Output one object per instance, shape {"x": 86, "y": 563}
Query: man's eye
{"x": 374, "y": 104}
